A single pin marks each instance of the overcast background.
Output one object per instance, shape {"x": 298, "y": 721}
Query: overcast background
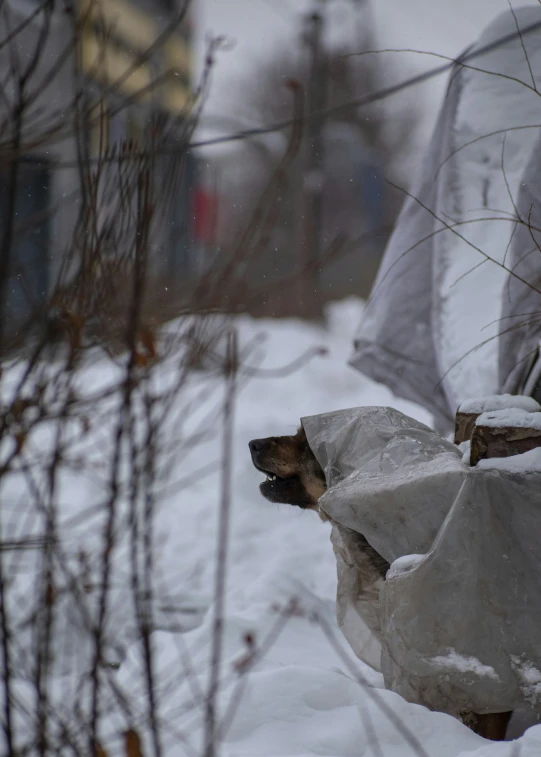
{"x": 255, "y": 26}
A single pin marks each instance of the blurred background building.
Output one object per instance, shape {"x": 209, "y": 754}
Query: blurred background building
{"x": 100, "y": 75}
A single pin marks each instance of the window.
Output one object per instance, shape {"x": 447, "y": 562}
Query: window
{"x": 29, "y": 253}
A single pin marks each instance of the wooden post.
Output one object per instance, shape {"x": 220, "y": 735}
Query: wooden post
{"x": 469, "y": 411}
{"x": 505, "y": 438}
{"x": 492, "y": 725}
{"x": 464, "y": 423}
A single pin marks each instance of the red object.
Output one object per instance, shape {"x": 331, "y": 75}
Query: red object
{"x": 205, "y": 215}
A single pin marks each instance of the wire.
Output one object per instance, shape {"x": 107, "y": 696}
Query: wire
{"x": 381, "y": 94}
{"x": 375, "y": 96}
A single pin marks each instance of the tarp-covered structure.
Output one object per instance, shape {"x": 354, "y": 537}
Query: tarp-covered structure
{"x": 455, "y": 314}
{"x": 456, "y": 625}
{"x": 456, "y": 311}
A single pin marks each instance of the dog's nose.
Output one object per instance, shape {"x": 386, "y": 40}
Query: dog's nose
{"x": 256, "y": 445}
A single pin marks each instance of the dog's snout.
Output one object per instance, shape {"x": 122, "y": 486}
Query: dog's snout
{"x": 256, "y": 445}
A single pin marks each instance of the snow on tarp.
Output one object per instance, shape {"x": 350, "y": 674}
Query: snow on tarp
{"x": 458, "y": 617}
{"x": 403, "y": 564}
{"x": 514, "y": 417}
{"x": 453, "y": 662}
{"x": 480, "y": 405}
{"x": 445, "y": 324}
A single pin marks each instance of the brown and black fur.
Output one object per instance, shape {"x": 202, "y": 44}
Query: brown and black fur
{"x": 297, "y": 479}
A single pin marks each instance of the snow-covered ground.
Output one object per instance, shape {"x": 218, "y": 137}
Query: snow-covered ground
{"x": 302, "y": 697}
{"x": 289, "y": 684}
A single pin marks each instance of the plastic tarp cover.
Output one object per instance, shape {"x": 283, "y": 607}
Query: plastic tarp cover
{"x": 457, "y": 623}
{"x": 452, "y": 312}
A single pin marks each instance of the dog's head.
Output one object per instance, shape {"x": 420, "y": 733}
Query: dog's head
{"x": 294, "y": 476}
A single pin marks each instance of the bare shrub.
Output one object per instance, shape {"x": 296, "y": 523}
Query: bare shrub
{"x": 100, "y": 401}
{"x": 88, "y": 387}
{"x": 103, "y": 396}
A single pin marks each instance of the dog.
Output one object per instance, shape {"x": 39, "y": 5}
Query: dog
{"x": 294, "y": 477}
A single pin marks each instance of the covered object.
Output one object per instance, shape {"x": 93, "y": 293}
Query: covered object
{"x": 457, "y": 624}
{"x": 456, "y": 311}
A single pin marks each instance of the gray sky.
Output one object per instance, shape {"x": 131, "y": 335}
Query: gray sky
{"x": 256, "y": 26}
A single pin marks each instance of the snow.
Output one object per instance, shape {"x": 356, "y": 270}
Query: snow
{"x": 464, "y": 664}
{"x": 531, "y": 678}
{"x": 514, "y": 417}
{"x": 404, "y": 564}
{"x": 480, "y": 405}
{"x": 465, "y": 448}
{"x": 290, "y": 685}
{"x": 528, "y": 746}
{"x": 527, "y": 462}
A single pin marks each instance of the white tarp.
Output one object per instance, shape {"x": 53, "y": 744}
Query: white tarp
{"x": 458, "y": 620}
{"x": 454, "y": 312}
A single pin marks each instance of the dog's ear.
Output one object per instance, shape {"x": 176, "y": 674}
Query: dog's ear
{"x": 306, "y": 457}
{"x": 311, "y": 473}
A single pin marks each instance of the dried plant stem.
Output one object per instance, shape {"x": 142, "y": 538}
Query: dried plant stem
{"x": 224, "y": 516}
